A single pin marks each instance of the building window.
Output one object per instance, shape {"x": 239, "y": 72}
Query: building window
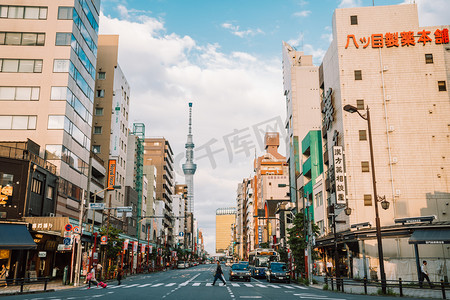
{"x": 100, "y": 93}
{"x": 358, "y": 75}
{"x": 53, "y": 152}
{"x": 61, "y": 65}
{"x": 21, "y": 65}
{"x": 367, "y": 200}
{"x": 36, "y": 186}
{"x": 58, "y": 93}
{"x": 63, "y": 38}
{"x": 99, "y": 111}
{"x": 365, "y": 166}
{"x": 65, "y": 13}
{"x": 353, "y": 20}
{"x": 49, "y": 194}
{"x": 362, "y": 135}
{"x": 23, "y": 12}
{"x": 97, "y": 129}
{"x": 18, "y": 122}
{"x": 429, "y": 58}
{"x": 101, "y": 75}
{"x": 22, "y": 39}
{"x": 20, "y": 93}
{"x": 319, "y": 199}
{"x": 360, "y": 104}
{"x": 96, "y": 148}
{"x": 56, "y": 122}
{"x": 442, "y": 86}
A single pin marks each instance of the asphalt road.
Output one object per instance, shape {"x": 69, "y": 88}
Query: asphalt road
{"x": 193, "y": 283}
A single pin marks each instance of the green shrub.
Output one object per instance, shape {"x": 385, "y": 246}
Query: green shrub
{"x": 325, "y": 287}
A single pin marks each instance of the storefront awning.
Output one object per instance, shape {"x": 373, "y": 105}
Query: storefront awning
{"x": 15, "y": 237}
{"x": 430, "y": 236}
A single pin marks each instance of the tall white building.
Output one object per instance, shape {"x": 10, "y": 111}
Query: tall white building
{"x": 301, "y": 90}
{"x": 112, "y": 105}
{"x": 381, "y": 59}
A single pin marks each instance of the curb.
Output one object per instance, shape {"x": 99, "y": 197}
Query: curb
{"x": 26, "y": 293}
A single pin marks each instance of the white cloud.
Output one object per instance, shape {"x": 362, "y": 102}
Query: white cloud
{"x": 302, "y": 3}
{"x": 327, "y": 35}
{"x": 303, "y": 13}
{"x": 229, "y": 91}
{"x": 350, "y": 3}
{"x": 297, "y": 41}
{"x": 432, "y": 12}
{"x": 234, "y": 29}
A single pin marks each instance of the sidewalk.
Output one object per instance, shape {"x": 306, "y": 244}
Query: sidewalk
{"x": 352, "y": 287}
{"x": 54, "y": 285}
{"x": 34, "y": 288}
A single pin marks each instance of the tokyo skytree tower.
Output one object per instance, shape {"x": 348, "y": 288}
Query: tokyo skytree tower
{"x": 189, "y": 167}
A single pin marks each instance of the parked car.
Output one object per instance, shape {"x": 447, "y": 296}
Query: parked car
{"x": 277, "y": 271}
{"x": 181, "y": 265}
{"x": 240, "y": 271}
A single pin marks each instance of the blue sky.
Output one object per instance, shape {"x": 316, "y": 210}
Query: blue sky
{"x": 256, "y": 27}
{"x": 225, "y": 57}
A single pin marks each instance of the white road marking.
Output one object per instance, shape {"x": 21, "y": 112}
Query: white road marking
{"x": 261, "y": 285}
{"x": 248, "y": 285}
{"x": 196, "y": 284}
{"x": 274, "y": 286}
{"x": 144, "y": 285}
{"x": 312, "y": 296}
{"x": 209, "y": 284}
{"x": 235, "y": 284}
{"x": 251, "y": 297}
{"x": 288, "y": 286}
{"x": 158, "y": 284}
{"x": 129, "y": 286}
{"x": 301, "y": 287}
{"x": 170, "y": 284}
{"x": 116, "y": 286}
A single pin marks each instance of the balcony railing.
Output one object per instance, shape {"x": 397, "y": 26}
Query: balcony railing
{"x": 24, "y": 154}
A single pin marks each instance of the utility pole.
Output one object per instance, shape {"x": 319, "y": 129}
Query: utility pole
{"x": 80, "y": 222}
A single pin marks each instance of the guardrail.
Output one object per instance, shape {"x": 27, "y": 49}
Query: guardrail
{"x": 340, "y": 284}
{"x": 25, "y": 281}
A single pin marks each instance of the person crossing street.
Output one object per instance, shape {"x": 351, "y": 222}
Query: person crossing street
{"x": 219, "y": 274}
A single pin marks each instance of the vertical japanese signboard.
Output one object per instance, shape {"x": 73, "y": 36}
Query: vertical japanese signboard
{"x": 339, "y": 174}
{"x": 111, "y": 174}
{"x": 115, "y": 127}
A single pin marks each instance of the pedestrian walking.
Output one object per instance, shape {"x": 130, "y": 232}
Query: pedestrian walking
{"x": 424, "y": 274}
{"x": 219, "y": 274}
{"x": 91, "y": 278}
{"x": 119, "y": 276}
{"x": 3, "y": 275}
{"x": 329, "y": 268}
{"x": 99, "y": 271}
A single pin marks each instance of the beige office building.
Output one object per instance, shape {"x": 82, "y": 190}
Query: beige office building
{"x": 225, "y": 223}
{"x": 158, "y": 153}
{"x": 111, "y": 108}
{"x": 48, "y": 53}
{"x": 301, "y": 90}
{"x": 380, "y": 58}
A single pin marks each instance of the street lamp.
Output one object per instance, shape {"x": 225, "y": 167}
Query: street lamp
{"x": 385, "y": 205}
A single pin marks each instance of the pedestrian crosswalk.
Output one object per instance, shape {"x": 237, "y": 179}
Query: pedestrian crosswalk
{"x": 207, "y": 284}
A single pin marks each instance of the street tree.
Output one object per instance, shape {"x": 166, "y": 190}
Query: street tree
{"x": 298, "y": 241}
